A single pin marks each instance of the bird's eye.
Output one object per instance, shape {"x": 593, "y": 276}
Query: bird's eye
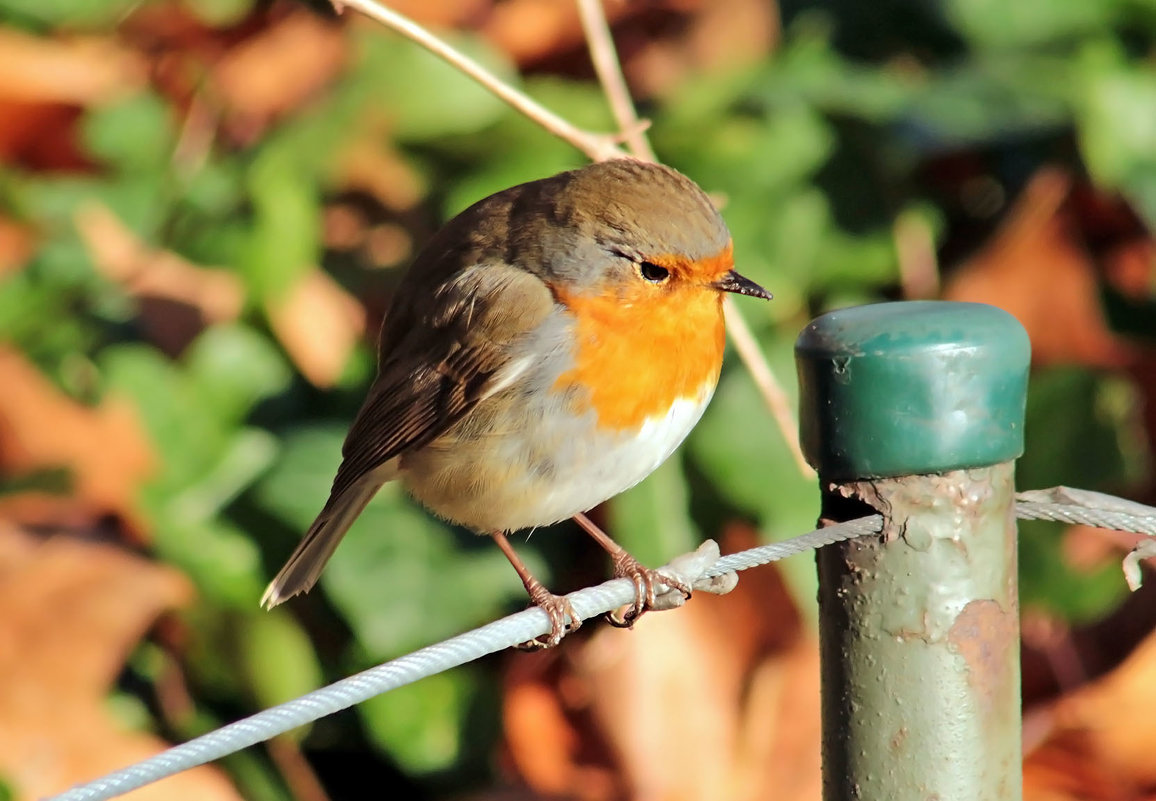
{"x": 652, "y": 272}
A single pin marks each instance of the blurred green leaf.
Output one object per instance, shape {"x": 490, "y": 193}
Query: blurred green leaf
{"x": 219, "y": 13}
{"x": 68, "y": 14}
{"x": 783, "y": 245}
{"x": 38, "y": 307}
{"x": 402, "y": 582}
{"x": 1047, "y": 579}
{"x": 1116, "y": 118}
{"x": 516, "y": 150}
{"x": 296, "y": 488}
{"x": 139, "y": 199}
{"x": 991, "y": 98}
{"x": 284, "y": 241}
{"x": 129, "y": 712}
{"x": 845, "y": 260}
{"x": 220, "y": 558}
{"x": 1071, "y": 435}
{"x": 421, "y": 725}
{"x": 52, "y": 200}
{"x": 135, "y": 134}
{"x": 278, "y": 658}
{"x": 210, "y": 657}
{"x": 760, "y": 156}
{"x": 215, "y": 189}
{"x": 194, "y": 414}
{"x": 233, "y": 367}
{"x": 743, "y": 455}
{"x": 1077, "y": 431}
{"x": 245, "y": 457}
{"x": 408, "y": 76}
{"x": 1028, "y": 22}
{"x": 810, "y": 69}
{"x": 652, "y": 520}
{"x": 176, "y": 421}
{"x": 739, "y": 448}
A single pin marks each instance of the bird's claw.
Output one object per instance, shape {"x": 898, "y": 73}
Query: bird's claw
{"x": 558, "y": 609}
{"x": 646, "y": 581}
{"x": 670, "y": 586}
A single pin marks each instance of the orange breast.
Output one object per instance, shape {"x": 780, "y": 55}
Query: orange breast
{"x": 640, "y": 350}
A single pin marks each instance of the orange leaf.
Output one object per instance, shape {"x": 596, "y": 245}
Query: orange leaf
{"x": 104, "y": 447}
{"x": 80, "y": 71}
{"x": 70, "y": 614}
{"x": 144, "y": 271}
{"x": 280, "y": 68}
{"x": 159, "y": 278}
{"x": 16, "y": 245}
{"x": 1036, "y": 269}
{"x": 318, "y": 323}
{"x": 1100, "y": 737}
{"x": 368, "y": 166}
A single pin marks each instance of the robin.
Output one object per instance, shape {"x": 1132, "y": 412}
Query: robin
{"x": 548, "y": 349}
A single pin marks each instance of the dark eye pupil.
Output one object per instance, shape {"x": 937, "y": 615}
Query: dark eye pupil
{"x": 653, "y": 273}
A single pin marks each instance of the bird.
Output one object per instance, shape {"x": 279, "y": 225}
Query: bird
{"x": 546, "y": 350}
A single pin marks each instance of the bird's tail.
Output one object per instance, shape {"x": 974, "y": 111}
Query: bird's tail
{"x": 303, "y": 568}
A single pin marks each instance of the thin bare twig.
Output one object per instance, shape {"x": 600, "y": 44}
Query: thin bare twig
{"x": 772, "y": 391}
{"x": 915, "y": 248}
{"x": 303, "y": 781}
{"x": 599, "y": 147}
{"x": 604, "y": 55}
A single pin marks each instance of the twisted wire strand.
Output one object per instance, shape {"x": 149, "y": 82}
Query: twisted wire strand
{"x": 1100, "y": 518}
{"x": 488, "y": 639}
{"x": 1090, "y": 509}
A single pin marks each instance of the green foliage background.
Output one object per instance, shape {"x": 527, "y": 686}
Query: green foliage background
{"x": 817, "y": 151}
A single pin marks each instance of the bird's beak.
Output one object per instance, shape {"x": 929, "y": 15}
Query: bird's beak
{"x": 733, "y": 282}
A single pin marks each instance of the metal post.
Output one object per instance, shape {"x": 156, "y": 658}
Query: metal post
{"x": 916, "y": 409}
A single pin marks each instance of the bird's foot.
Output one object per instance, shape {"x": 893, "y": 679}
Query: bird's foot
{"x": 558, "y": 609}
{"x": 646, "y": 581}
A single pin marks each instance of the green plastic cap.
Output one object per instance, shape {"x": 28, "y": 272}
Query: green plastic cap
{"x": 908, "y": 388}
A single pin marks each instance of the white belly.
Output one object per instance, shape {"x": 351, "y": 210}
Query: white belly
{"x": 614, "y": 467}
{"x": 536, "y": 477}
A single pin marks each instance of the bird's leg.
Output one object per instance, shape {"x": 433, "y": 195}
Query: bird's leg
{"x": 626, "y": 566}
{"x": 555, "y": 606}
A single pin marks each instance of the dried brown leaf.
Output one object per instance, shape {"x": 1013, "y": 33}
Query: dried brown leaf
{"x": 70, "y": 614}
{"x": 368, "y": 166}
{"x": 716, "y": 36}
{"x": 40, "y": 136}
{"x": 441, "y": 13}
{"x": 1100, "y": 737}
{"x": 210, "y": 295}
{"x": 16, "y": 245}
{"x": 1036, "y": 269}
{"x": 103, "y": 447}
{"x": 279, "y": 69}
{"x": 318, "y": 323}
{"x": 529, "y": 30}
{"x": 81, "y": 71}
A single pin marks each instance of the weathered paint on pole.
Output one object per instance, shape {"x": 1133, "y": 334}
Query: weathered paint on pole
{"x": 916, "y": 409}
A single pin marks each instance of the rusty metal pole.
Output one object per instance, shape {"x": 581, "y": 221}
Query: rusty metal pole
{"x": 916, "y": 410}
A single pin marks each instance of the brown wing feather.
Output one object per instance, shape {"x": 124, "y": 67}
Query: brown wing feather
{"x": 443, "y": 365}
{"x": 406, "y": 413}
{"x": 443, "y": 355}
